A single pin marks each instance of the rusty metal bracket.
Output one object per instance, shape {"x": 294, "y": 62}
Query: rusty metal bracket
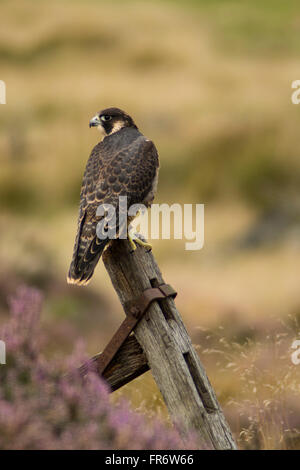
{"x": 135, "y": 309}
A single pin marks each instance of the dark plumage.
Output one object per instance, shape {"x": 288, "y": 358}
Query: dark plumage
{"x": 124, "y": 163}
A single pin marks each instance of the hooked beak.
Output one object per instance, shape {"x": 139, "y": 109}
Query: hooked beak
{"x": 95, "y": 121}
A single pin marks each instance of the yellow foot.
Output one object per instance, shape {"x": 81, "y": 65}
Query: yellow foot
{"x": 132, "y": 244}
{"x": 144, "y": 244}
{"x": 135, "y": 241}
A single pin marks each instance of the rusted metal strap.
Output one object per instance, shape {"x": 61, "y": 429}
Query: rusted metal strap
{"x": 135, "y": 309}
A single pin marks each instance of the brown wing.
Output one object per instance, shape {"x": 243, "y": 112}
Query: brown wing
{"x": 119, "y": 166}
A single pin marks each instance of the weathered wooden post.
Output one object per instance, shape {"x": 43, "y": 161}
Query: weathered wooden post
{"x": 161, "y": 343}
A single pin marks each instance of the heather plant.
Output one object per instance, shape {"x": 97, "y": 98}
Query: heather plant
{"x": 44, "y": 406}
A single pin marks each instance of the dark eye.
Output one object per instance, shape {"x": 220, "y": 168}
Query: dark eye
{"x": 105, "y": 117}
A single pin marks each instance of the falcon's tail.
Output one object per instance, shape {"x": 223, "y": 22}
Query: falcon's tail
{"x": 82, "y": 267}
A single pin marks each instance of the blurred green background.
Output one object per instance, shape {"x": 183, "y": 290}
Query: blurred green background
{"x": 210, "y": 83}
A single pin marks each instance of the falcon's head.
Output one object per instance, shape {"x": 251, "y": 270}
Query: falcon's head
{"x": 111, "y": 120}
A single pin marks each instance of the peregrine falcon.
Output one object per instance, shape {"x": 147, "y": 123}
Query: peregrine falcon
{"x": 123, "y": 163}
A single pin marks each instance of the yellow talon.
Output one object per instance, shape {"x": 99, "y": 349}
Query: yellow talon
{"x": 136, "y": 240}
{"x": 132, "y": 244}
